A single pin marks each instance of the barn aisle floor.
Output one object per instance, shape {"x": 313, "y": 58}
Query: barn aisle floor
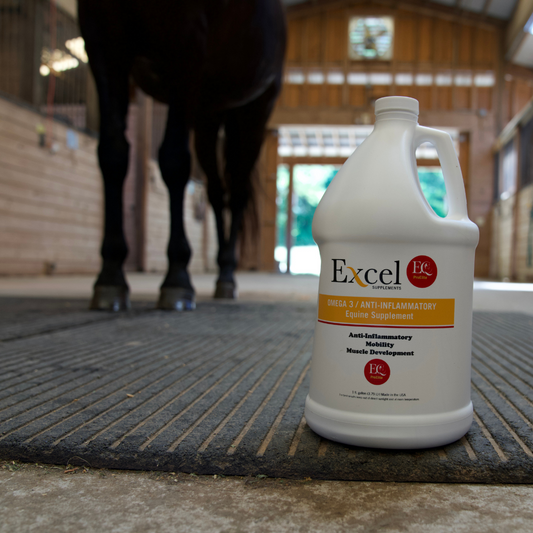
{"x": 219, "y": 393}
{"x": 252, "y": 286}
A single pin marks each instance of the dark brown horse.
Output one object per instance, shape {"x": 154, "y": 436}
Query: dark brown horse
{"x": 218, "y": 64}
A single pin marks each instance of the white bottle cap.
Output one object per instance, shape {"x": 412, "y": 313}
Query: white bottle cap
{"x": 396, "y": 103}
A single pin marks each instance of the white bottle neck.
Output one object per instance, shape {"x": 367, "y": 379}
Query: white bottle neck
{"x": 386, "y": 116}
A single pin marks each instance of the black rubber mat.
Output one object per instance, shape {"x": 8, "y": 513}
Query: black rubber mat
{"x": 24, "y": 317}
{"x": 222, "y": 390}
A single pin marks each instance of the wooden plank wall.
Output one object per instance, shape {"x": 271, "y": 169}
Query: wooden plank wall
{"x": 199, "y": 225}
{"x": 269, "y": 169}
{"x": 425, "y": 43}
{"x": 524, "y": 235}
{"x": 514, "y": 214}
{"x": 158, "y": 221}
{"x": 517, "y": 92}
{"x": 502, "y": 239}
{"x": 451, "y": 62}
{"x": 50, "y": 204}
{"x": 504, "y": 265}
{"x": 257, "y": 251}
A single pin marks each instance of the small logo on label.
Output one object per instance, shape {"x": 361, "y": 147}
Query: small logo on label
{"x": 422, "y": 271}
{"x": 377, "y": 372}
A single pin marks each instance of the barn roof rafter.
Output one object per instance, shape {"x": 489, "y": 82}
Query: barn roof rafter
{"x": 453, "y": 11}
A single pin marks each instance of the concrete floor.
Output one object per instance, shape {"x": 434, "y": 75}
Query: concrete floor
{"x": 52, "y": 499}
{"x": 61, "y": 499}
{"x": 252, "y": 286}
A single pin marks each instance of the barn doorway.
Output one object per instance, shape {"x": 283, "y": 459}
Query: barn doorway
{"x": 309, "y": 158}
{"x": 301, "y": 187}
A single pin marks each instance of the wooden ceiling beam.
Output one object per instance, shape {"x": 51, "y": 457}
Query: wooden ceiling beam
{"x": 486, "y": 7}
{"x": 454, "y": 13}
{"x": 515, "y": 33}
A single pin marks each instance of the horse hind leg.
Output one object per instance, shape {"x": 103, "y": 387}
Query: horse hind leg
{"x": 206, "y": 145}
{"x": 176, "y": 292}
{"x": 244, "y": 128}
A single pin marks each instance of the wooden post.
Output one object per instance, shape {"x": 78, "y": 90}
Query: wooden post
{"x": 464, "y": 160}
{"x": 288, "y": 235}
{"x": 33, "y": 24}
{"x": 258, "y": 253}
{"x": 269, "y": 206}
{"x": 516, "y": 209}
{"x": 144, "y": 143}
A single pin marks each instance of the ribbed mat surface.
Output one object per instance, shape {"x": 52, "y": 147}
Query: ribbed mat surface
{"x": 222, "y": 390}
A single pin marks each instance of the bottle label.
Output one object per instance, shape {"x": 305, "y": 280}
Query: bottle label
{"x": 393, "y": 331}
{"x": 386, "y": 312}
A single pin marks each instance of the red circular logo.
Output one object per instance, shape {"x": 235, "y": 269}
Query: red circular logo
{"x": 377, "y": 372}
{"x": 422, "y": 271}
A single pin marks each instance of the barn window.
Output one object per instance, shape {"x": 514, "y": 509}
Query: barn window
{"x": 484, "y": 80}
{"x": 315, "y": 77}
{"x": 443, "y": 80}
{"x": 357, "y": 78}
{"x": 295, "y": 138}
{"x": 424, "y": 79}
{"x": 370, "y": 38}
{"x": 327, "y": 138}
{"x": 380, "y": 78}
{"x": 344, "y": 139}
{"x": 463, "y": 79}
{"x": 294, "y": 76}
{"x": 404, "y": 79}
{"x": 311, "y": 138}
{"x": 335, "y": 77}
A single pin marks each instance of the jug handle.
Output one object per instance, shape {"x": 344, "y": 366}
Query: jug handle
{"x": 453, "y": 178}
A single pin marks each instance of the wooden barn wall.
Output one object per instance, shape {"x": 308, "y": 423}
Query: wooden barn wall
{"x": 257, "y": 249}
{"x": 158, "y": 221}
{"x": 464, "y": 51}
{"x": 200, "y": 225}
{"x": 517, "y": 91}
{"x": 524, "y": 235}
{"x": 512, "y": 237}
{"x": 512, "y": 214}
{"x": 50, "y": 203}
{"x": 494, "y": 272}
{"x": 502, "y": 239}
{"x": 24, "y": 34}
{"x": 424, "y": 43}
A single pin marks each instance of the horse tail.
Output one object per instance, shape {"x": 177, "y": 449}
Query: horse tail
{"x": 249, "y": 230}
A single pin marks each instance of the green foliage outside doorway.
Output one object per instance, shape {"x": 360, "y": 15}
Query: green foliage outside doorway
{"x": 310, "y": 183}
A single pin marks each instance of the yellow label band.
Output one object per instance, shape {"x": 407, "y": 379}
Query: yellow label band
{"x": 386, "y": 312}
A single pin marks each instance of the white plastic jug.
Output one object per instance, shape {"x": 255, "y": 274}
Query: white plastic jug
{"x": 391, "y": 360}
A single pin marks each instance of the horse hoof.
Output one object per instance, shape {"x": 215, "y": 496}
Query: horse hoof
{"x": 226, "y": 289}
{"x": 110, "y": 298}
{"x": 176, "y": 299}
